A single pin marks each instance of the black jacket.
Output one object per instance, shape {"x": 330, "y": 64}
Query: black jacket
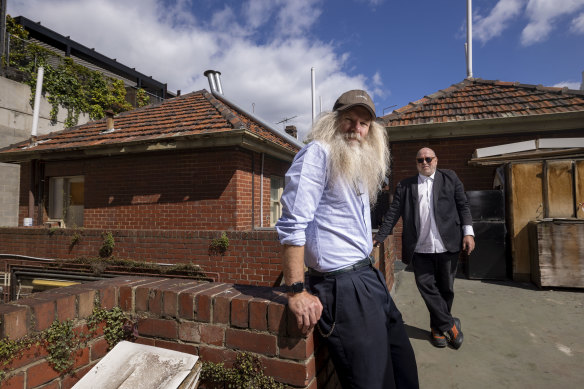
{"x": 451, "y": 212}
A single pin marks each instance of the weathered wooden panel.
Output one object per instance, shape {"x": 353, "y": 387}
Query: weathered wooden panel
{"x": 559, "y": 190}
{"x": 557, "y": 253}
{"x": 526, "y": 204}
{"x": 579, "y": 174}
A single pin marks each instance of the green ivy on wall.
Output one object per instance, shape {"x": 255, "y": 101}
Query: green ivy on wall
{"x": 67, "y": 84}
{"x": 62, "y": 342}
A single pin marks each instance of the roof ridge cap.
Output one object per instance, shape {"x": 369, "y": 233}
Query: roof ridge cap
{"x": 224, "y": 110}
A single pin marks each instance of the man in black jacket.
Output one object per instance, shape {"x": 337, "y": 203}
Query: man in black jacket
{"x": 437, "y": 224}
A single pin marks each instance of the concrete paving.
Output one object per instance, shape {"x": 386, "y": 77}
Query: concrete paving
{"x": 515, "y": 335}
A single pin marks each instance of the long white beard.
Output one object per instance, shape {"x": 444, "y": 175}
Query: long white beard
{"x": 365, "y": 162}
{"x": 356, "y": 162}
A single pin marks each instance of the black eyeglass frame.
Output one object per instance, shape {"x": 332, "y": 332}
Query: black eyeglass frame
{"x": 427, "y": 159}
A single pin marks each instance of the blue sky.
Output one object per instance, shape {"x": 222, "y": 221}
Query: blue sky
{"x": 398, "y": 50}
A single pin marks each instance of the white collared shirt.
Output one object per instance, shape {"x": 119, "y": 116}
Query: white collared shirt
{"x": 429, "y": 240}
{"x": 332, "y": 221}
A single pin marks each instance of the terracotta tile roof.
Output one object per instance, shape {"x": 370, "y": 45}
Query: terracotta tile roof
{"x": 478, "y": 99}
{"x": 185, "y": 116}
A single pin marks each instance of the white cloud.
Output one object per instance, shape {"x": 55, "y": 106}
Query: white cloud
{"x": 543, "y": 16}
{"x": 577, "y": 25}
{"x": 296, "y": 17}
{"x": 258, "y": 12}
{"x": 263, "y": 48}
{"x": 568, "y": 84}
{"x": 372, "y": 3}
{"x": 500, "y": 17}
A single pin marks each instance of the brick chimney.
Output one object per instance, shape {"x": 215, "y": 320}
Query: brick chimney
{"x": 109, "y": 119}
{"x": 291, "y": 130}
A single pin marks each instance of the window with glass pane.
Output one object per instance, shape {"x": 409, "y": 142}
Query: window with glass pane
{"x": 66, "y": 200}
{"x": 276, "y": 188}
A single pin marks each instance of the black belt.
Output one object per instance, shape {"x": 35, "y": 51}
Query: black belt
{"x": 359, "y": 264}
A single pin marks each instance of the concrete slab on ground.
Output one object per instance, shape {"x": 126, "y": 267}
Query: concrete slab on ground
{"x": 515, "y": 335}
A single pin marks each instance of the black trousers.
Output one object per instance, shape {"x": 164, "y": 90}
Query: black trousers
{"x": 434, "y": 274}
{"x": 368, "y": 342}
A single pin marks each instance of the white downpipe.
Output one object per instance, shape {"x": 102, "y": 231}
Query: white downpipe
{"x": 313, "y": 90}
{"x": 37, "y": 102}
{"x": 468, "y": 38}
{"x": 262, "y": 193}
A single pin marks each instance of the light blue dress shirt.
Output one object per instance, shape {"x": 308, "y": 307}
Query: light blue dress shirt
{"x": 332, "y": 221}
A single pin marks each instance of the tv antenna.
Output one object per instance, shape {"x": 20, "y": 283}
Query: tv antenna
{"x": 286, "y": 120}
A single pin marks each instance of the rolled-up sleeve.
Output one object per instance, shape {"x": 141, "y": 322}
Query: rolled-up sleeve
{"x": 304, "y": 185}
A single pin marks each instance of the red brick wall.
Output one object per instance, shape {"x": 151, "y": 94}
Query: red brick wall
{"x": 211, "y": 320}
{"x": 253, "y": 257}
{"x": 209, "y": 189}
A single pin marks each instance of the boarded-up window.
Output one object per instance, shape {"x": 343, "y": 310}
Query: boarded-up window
{"x": 558, "y": 189}
{"x": 66, "y": 200}
{"x": 526, "y": 204}
{"x": 579, "y": 181}
{"x": 540, "y": 190}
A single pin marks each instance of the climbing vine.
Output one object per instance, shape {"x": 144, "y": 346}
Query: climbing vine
{"x": 62, "y": 342}
{"x": 14, "y": 349}
{"x": 118, "y": 326}
{"x": 67, "y": 84}
{"x": 142, "y": 98}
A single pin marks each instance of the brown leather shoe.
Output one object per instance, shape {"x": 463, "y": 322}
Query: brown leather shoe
{"x": 438, "y": 339}
{"x": 454, "y": 335}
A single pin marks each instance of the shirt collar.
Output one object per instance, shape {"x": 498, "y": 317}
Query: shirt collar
{"x": 423, "y": 178}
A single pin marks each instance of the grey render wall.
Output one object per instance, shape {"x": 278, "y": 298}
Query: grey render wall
{"x": 15, "y": 126}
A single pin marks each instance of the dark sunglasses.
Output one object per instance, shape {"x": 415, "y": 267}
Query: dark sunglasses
{"x": 427, "y": 159}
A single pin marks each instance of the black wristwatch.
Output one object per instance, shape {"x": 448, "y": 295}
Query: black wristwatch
{"x": 296, "y": 287}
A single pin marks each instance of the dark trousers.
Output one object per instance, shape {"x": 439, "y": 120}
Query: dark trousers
{"x": 434, "y": 274}
{"x": 368, "y": 342}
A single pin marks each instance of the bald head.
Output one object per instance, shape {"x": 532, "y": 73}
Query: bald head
{"x": 428, "y": 163}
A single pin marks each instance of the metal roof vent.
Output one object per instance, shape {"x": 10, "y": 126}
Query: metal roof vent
{"x": 214, "y": 78}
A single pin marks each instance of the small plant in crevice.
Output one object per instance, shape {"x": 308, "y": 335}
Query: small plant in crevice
{"x": 75, "y": 239}
{"x": 247, "y": 372}
{"x": 219, "y": 245}
{"x": 107, "y": 248}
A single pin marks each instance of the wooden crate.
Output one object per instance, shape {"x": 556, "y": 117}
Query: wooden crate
{"x": 557, "y": 253}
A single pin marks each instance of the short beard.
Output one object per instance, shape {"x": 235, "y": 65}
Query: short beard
{"x": 362, "y": 162}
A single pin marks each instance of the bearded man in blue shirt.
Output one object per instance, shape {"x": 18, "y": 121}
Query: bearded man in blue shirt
{"x": 326, "y": 226}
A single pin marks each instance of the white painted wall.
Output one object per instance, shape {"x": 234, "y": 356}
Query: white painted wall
{"x": 15, "y": 126}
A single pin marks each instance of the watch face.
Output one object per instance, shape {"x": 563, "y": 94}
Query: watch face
{"x": 296, "y": 287}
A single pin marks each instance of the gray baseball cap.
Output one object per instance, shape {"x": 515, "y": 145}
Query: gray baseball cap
{"x": 354, "y": 98}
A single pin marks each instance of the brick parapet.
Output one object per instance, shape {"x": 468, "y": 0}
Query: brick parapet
{"x": 252, "y": 258}
{"x": 212, "y": 320}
